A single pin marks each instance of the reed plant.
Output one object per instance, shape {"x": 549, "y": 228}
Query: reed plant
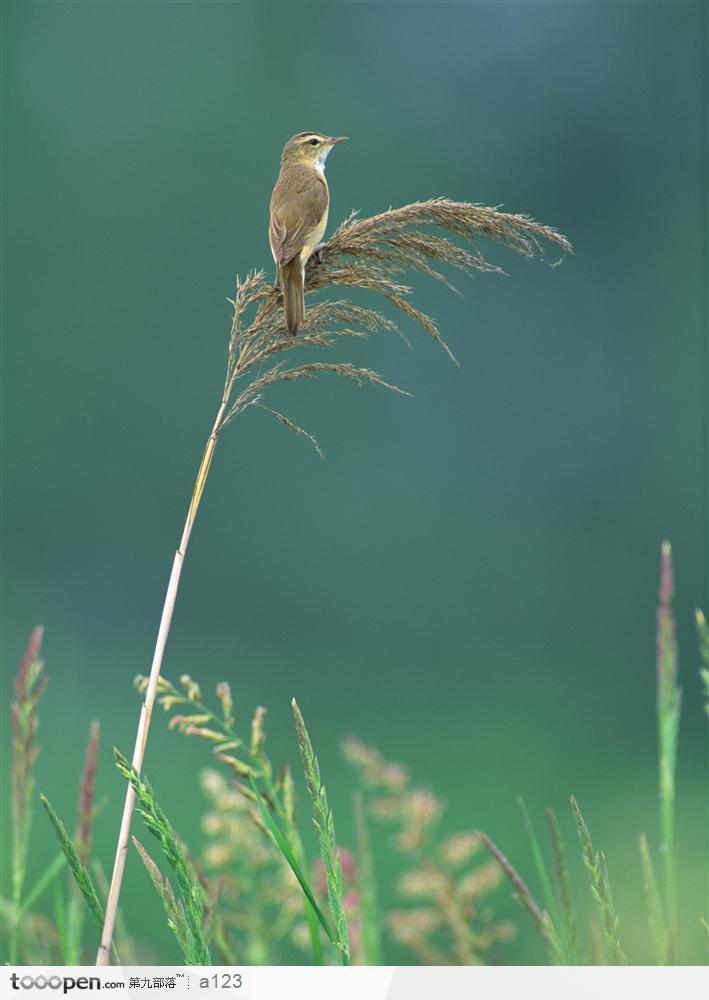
{"x": 370, "y": 254}
{"x": 254, "y": 887}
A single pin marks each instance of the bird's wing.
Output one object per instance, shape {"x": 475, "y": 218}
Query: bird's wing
{"x": 285, "y": 243}
{"x": 298, "y": 204}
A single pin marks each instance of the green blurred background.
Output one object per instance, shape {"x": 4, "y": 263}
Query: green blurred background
{"x": 469, "y": 581}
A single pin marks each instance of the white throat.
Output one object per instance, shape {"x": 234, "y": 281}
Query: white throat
{"x": 322, "y": 156}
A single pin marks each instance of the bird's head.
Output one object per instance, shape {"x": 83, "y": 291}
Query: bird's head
{"x": 310, "y": 147}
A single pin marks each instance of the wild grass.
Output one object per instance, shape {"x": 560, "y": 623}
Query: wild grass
{"x": 253, "y": 894}
{"x": 653, "y": 903}
{"x": 523, "y": 894}
{"x": 32, "y": 937}
{"x": 271, "y": 798}
{"x": 568, "y": 926}
{"x": 325, "y": 826}
{"x": 556, "y": 929}
{"x": 668, "y": 715}
{"x": 77, "y": 869}
{"x": 595, "y": 863}
{"x": 30, "y": 684}
{"x": 189, "y": 910}
{"x": 174, "y": 907}
{"x": 84, "y": 830}
{"x": 661, "y": 914}
{"x": 260, "y": 902}
{"x": 442, "y": 885}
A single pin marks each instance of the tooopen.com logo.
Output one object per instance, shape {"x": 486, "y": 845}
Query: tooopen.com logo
{"x": 63, "y": 983}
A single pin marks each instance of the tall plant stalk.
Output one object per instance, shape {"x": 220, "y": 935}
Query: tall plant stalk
{"x": 104, "y": 951}
{"x": 369, "y": 254}
{"x": 668, "y": 716}
{"x": 30, "y": 683}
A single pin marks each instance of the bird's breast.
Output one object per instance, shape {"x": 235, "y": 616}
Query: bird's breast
{"x": 314, "y": 237}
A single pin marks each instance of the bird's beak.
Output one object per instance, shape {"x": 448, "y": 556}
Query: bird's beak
{"x": 339, "y": 138}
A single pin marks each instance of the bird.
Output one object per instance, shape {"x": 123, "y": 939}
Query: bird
{"x": 299, "y": 208}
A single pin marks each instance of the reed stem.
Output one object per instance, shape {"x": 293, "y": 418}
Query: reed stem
{"x": 146, "y": 711}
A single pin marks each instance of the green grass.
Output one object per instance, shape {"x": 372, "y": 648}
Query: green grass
{"x": 191, "y": 902}
{"x": 325, "y": 826}
{"x": 81, "y": 875}
{"x": 596, "y": 868}
{"x": 251, "y": 893}
{"x": 559, "y": 923}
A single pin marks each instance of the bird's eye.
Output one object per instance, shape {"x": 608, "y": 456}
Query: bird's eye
{"x": 313, "y": 142}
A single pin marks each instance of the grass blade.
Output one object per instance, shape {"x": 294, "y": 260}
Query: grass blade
{"x": 75, "y": 909}
{"x": 74, "y": 928}
{"x": 600, "y": 888}
{"x": 564, "y": 929}
{"x": 524, "y": 896}
{"x": 42, "y": 883}
{"x": 540, "y": 863}
{"x": 287, "y": 853}
{"x": 176, "y": 920}
{"x": 325, "y": 825}
{"x": 653, "y": 904}
{"x": 87, "y": 789}
{"x": 190, "y": 892}
{"x": 288, "y": 813}
{"x": 81, "y": 876}
{"x": 60, "y": 920}
{"x": 569, "y": 925}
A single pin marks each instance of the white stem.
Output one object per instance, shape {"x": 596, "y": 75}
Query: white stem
{"x": 104, "y": 952}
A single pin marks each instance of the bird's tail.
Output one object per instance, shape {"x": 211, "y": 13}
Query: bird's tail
{"x": 293, "y": 295}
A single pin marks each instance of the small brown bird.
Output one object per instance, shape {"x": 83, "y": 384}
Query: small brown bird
{"x": 299, "y": 207}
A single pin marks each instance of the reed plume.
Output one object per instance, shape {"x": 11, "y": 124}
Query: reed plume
{"x": 370, "y": 254}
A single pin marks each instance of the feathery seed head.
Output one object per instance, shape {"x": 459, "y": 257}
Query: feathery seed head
{"x": 371, "y": 254}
